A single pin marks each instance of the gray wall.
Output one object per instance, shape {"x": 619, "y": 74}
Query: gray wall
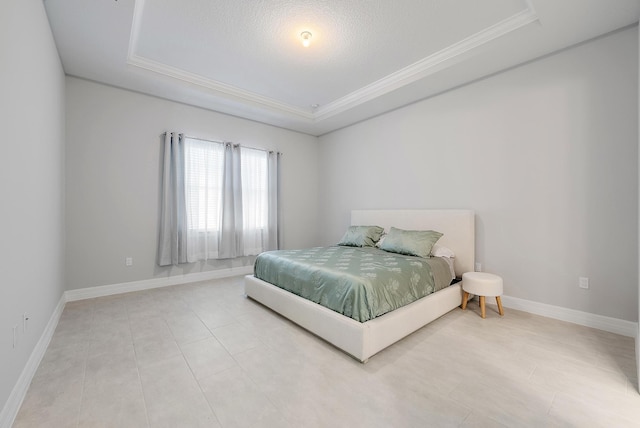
{"x": 547, "y": 155}
{"x": 31, "y": 182}
{"x": 638, "y": 331}
{"x": 113, "y": 176}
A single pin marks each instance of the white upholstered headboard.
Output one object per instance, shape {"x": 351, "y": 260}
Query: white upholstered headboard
{"x": 457, "y": 227}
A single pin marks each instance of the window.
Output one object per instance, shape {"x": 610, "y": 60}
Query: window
{"x": 255, "y": 189}
{"x": 204, "y": 166}
{"x": 204, "y": 179}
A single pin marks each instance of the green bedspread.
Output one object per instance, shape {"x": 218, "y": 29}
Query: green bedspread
{"x": 361, "y": 283}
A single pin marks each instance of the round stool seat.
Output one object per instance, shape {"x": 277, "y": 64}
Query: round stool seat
{"x": 482, "y": 283}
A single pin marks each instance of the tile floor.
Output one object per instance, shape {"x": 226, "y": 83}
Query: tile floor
{"x": 203, "y": 355}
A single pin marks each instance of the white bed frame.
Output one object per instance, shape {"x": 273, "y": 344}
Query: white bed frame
{"x": 362, "y": 340}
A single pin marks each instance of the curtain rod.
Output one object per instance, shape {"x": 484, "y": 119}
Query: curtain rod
{"x": 225, "y": 142}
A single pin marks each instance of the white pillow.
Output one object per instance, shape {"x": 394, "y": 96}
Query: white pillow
{"x": 452, "y": 270}
{"x": 440, "y": 251}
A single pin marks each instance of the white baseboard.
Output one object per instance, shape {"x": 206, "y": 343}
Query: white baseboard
{"x": 146, "y": 284}
{"x": 613, "y": 325}
{"x": 12, "y": 406}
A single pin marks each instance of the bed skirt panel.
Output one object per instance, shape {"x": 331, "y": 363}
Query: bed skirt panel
{"x": 360, "y": 340}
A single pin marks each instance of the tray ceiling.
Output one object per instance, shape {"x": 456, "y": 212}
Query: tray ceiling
{"x": 245, "y": 57}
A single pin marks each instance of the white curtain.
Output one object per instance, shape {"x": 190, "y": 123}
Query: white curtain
{"x": 173, "y": 223}
{"x": 274, "y": 212}
{"x": 255, "y": 201}
{"x": 231, "y": 231}
{"x": 219, "y": 201}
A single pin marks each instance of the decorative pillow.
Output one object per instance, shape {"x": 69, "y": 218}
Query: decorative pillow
{"x": 410, "y": 242}
{"x": 440, "y": 251}
{"x": 361, "y": 236}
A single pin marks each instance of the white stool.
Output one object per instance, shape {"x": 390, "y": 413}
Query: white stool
{"x": 482, "y": 284}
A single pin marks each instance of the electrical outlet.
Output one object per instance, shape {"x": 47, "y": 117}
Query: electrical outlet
{"x": 478, "y": 267}
{"x": 583, "y": 282}
{"x": 128, "y": 261}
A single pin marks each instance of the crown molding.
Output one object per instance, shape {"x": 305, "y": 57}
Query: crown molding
{"x": 405, "y": 76}
{"x": 222, "y": 88}
{"x": 227, "y": 91}
{"x": 426, "y": 66}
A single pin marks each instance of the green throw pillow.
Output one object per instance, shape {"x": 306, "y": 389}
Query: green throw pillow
{"x": 361, "y": 236}
{"x": 410, "y": 242}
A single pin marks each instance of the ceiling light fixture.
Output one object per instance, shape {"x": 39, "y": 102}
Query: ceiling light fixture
{"x": 306, "y": 38}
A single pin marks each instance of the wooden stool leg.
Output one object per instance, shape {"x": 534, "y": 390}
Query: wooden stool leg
{"x": 482, "y": 309}
{"x": 499, "y": 302}
{"x": 465, "y": 298}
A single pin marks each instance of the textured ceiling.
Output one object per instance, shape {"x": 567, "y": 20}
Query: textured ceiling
{"x": 245, "y": 57}
{"x": 255, "y": 45}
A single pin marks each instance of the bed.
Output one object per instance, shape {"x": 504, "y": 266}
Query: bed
{"x": 364, "y": 339}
